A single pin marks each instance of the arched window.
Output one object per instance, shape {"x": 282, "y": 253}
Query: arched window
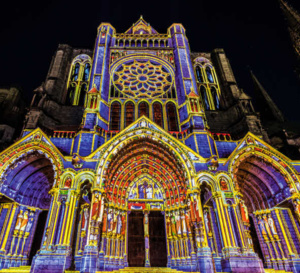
{"x": 172, "y": 117}
{"x": 115, "y": 114}
{"x": 144, "y": 109}
{"x": 75, "y": 72}
{"x": 157, "y": 114}
{"x": 86, "y": 72}
{"x": 70, "y": 94}
{"x": 129, "y": 113}
{"x": 209, "y": 74}
{"x": 78, "y": 80}
{"x": 82, "y": 94}
{"x": 215, "y": 97}
{"x": 204, "y": 97}
{"x": 199, "y": 74}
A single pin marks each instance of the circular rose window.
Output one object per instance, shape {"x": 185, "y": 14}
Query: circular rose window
{"x": 142, "y": 79}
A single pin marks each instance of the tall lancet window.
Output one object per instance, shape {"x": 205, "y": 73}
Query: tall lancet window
{"x": 129, "y": 113}
{"x": 78, "y": 80}
{"x": 115, "y": 116}
{"x": 199, "y": 74}
{"x": 215, "y": 97}
{"x": 144, "y": 109}
{"x": 204, "y": 97}
{"x": 157, "y": 114}
{"x": 207, "y": 83}
{"x": 209, "y": 74}
{"x": 172, "y": 117}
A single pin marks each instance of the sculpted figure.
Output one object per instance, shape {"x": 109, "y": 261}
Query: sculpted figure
{"x": 24, "y": 221}
{"x": 19, "y": 220}
{"x": 272, "y": 225}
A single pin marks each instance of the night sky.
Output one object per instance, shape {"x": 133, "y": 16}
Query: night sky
{"x": 253, "y": 34}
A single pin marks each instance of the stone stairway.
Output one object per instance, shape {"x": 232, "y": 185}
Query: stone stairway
{"x": 21, "y": 269}
{"x": 137, "y": 270}
{"x": 26, "y": 269}
{"x": 146, "y": 269}
{"x": 276, "y": 271}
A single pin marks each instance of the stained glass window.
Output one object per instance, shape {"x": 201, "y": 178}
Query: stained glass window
{"x": 209, "y": 74}
{"x": 144, "y": 109}
{"x": 129, "y": 113}
{"x": 86, "y": 72}
{"x": 172, "y": 117}
{"x": 142, "y": 79}
{"x": 204, "y": 97}
{"x": 199, "y": 74}
{"x": 157, "y": 114}
{"x": 78, "y": 80}
{"x": 215, "y": 97}
{"x": 75, "y": 72}
{"x": 115, "y": 114}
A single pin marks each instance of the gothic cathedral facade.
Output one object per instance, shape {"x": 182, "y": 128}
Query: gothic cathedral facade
{"x": 141, "y": 153}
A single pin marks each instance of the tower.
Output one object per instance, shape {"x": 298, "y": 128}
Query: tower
{"x": 293, "y": 20}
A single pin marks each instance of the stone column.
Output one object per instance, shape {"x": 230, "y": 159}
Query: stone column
{"x": 146, "y": 235}
{"x": 89, "y": 259}
{"x": 204, "y": 256}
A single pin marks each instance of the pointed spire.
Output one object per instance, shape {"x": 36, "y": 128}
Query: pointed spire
{"x": 293, "y": 20}
{"x": 266, "y": 105}
{"x": 292, "y": 16}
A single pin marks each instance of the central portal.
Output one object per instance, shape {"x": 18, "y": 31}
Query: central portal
{"x": 136, "y": 240}
{"x": 157, "y": 236}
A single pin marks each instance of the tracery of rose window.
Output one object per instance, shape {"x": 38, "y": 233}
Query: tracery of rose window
{"x": 142, "y": 79}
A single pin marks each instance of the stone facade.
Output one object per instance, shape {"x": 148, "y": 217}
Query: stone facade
{"x": 130, "y": 158}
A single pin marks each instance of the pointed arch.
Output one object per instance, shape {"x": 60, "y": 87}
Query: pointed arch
{"x": 129, "y": 113}
{"x": 115, "y": 116}
{"x": 172, "y": 117}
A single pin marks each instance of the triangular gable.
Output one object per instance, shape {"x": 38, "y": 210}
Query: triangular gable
{"x": 141, "y": 27}
{"x": 251, "y": 139}
{"x": 32, "y": 136}
{"x": 144, "y": 123}
{"x": 192, "y": 94}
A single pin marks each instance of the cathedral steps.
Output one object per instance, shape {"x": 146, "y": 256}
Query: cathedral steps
{"x": 21, "y": 269}
{"x": 276, "y": 271}
{"x": 26, "y": 269}
{"x": 146, "y": 269}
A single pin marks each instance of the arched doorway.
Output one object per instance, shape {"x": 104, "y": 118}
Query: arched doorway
{"x": 266, "y": 188}
{"x": 144, "y": 181}
{"x": 27, "y": 179}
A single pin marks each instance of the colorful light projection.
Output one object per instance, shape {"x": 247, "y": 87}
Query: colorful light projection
{"x": 142, "y": 79}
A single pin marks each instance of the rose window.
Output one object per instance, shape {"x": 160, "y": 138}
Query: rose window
{"x": 142, "y": 79}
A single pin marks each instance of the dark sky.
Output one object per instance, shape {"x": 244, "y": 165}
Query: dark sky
{"x": 253, "y": 34}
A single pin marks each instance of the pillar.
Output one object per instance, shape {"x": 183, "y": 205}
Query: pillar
{"x": 89, "y": 261}
{"x": 146, "y": 235}
{"x": 55, "y": 255}
{"x": 237, "y": 257}
{"x": 204, "y": 256}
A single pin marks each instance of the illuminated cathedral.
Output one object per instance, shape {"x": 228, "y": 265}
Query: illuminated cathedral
{"x": 141, "y": 154}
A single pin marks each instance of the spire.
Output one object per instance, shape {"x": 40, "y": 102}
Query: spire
{"x": 291, "y": 15}
{"x": 266, "y": 105}
{"x": 293, "y": 21}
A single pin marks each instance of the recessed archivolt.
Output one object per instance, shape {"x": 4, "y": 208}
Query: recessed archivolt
{"x": 263, "y": 175}
{"x": 276, "y": 160}
{"x": 144, "y": 154}
{"x": 117, "y": 144}
{"x": 28, "y": 172}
